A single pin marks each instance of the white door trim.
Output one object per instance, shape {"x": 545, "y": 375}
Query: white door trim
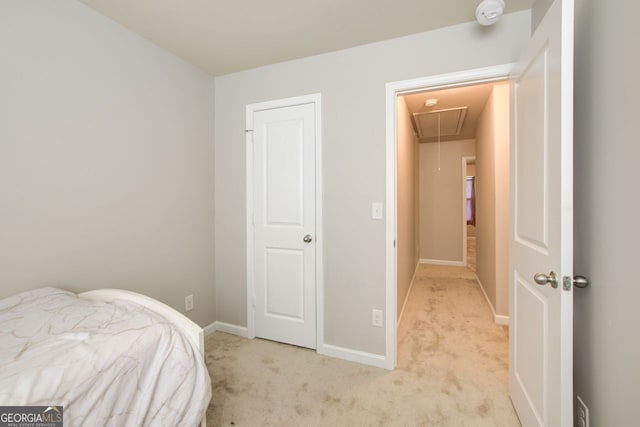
{"x": 393, "y": 89}
{"x": 250, "y": 110}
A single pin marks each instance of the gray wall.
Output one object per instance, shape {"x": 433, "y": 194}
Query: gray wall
{"x": 607, "y": 231}
{"x": 106, "y": 159}
{"x": 352, "y": 83}
{"x": 538, "y": 10}
{"x": 486, "y": 201}
{"x": 407, "y": 197}
{"x": 492, "y": 185}
{"x": 441, "y": 206}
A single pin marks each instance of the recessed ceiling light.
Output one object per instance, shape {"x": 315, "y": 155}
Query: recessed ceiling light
{"x": 431, "y": 102}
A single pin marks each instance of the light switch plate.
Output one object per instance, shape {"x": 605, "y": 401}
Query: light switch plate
{"x": 376, "y": 210}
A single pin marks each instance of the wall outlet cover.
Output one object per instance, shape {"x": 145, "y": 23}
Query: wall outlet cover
{"x": 376, "y": 318}
{"x": 188, "y": 303}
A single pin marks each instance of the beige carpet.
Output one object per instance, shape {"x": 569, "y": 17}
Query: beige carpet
{"x": 471, "y": 247}
{"x": 452, "y": 370}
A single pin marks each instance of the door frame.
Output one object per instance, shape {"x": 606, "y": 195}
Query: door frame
{"x": 393, "y": 89}
{"x": 316, "y": 100}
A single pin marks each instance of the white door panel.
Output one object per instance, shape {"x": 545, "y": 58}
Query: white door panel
{"x": 531, "y": 225}
{"x": 284, "y": 284}
{"x": 541, "y": 316}
{"x": 284, "y": 213}
{"x": 283, "y": 168}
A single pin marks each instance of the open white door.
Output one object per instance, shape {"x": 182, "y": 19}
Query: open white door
{"x": 541, "y": 315}
{"x": 283, "y": 223}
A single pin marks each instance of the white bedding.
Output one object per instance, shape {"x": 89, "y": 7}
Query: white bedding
{"x": 107, "y": 363}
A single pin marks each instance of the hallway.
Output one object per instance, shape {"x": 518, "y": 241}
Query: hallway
{"x": 471, "y": 247}
{"x": 447, "y": 333}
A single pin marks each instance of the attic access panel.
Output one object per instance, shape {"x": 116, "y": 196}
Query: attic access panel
{"x": 451, "y": 121}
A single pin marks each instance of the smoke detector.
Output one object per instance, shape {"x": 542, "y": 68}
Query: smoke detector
{"x": 489, "y": 11}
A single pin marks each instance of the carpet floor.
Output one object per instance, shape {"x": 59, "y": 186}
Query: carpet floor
{"x": 452, "y": 370}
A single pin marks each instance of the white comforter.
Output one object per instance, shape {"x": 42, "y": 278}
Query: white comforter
{"x": 107, "y": 363}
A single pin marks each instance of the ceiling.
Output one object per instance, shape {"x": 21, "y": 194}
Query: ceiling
{"x": 225, "y": 36}
{"x": 472, "y": 97}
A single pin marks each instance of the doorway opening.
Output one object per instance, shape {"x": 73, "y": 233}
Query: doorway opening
{"x": 454, "y": 253}
{"x": 469, "y": 207}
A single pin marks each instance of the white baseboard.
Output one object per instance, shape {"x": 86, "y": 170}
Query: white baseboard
{"x": 406, "y": 298}
{"x": 226, "y": 327}
{"x": 355, "y": 356}
{"x": 498, "y": 319}
{"x": 443, "y": 262}
{"x": 326, "y": 349}
{"x": 502, "y": 320}
{"x": 209, "y": 329}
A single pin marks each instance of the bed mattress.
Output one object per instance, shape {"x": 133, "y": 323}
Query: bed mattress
{"x": 111, "y": 363}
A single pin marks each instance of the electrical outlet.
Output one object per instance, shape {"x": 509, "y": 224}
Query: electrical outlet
{"x": 582, "y": 413}
{"x": 376, "y": 317}
{"x": 188, "y": 303}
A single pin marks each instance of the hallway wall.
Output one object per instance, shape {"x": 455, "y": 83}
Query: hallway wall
{"x": 492, "y": 185}
{"x": 441, "y": 208}
{"x": 407, "y": 209}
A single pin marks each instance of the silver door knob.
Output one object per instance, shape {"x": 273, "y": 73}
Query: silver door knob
{"x": 307, "y": 238}
{"x": 543, "y": 279}
{"x": 580, "y": 281}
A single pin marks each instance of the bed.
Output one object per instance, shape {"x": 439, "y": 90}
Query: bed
{"x": 109, "y": 357}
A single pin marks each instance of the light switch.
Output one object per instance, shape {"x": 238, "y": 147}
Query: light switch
{"x": 376, "y": 210}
